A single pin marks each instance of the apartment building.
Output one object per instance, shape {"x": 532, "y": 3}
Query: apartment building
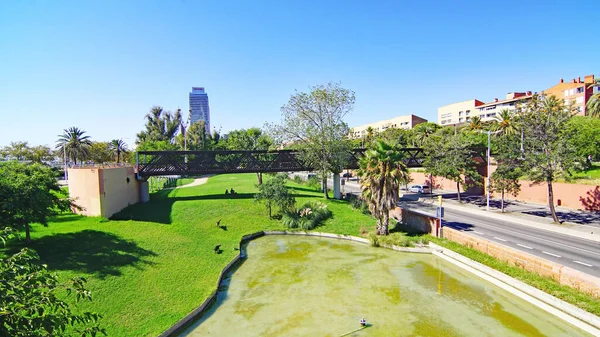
{"x": 458, "y": 113}
{"x": 400, "y": 122}
{"x": 576, "y": 92}
{"x": 489, "y": 111}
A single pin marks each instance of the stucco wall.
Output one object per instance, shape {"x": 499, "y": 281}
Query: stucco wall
{"x": 440, "y": 183}
{"x": 103, "y": 191}
{"x": 558, "y": 272}
{"x": 415, "y": 221}
{"x": 118, "y": 189}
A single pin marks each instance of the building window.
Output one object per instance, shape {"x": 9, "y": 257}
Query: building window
{"x": 460, "y": 120}
{"x": 467, "y": 112}
{"x": 580, "y": 90}
{"x": 566, "y": 92}
{"x": 460, "y": 113}
{"x": 468, "y": 119}
{"x": 482, "y": 116}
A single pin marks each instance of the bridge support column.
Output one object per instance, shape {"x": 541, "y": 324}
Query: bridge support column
{"x": 336, "y": 186}
{"x": 144, "y": 191}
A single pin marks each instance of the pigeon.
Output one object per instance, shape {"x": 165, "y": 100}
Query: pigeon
{"x": 217, "y": 249}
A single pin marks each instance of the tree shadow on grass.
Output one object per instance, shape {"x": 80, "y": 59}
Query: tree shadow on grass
{"x": 159, "y": 208}
{"x": 99, "y": 253}
{"x": 305, "y": 189}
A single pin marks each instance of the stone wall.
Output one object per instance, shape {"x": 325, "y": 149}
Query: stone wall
{"x": 562, "y": 274}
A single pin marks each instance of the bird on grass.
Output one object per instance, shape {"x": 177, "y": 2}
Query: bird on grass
{"x": 217, "y": 249}
{"x": 219, "y": 223}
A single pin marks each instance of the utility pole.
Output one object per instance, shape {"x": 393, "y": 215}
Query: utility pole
{"x": 487, "y": 192}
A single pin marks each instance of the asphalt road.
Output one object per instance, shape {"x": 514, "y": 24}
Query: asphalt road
{"x": 576, "y": 253}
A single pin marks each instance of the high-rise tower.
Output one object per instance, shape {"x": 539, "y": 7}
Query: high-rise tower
{"x": 199, "y": 109}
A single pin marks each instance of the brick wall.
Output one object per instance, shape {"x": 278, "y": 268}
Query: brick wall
{"x": 558, "y": 272}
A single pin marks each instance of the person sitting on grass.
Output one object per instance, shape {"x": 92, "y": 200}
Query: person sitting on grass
{"x": 363, "y": 322}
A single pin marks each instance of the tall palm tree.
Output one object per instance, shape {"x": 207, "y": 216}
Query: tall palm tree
{"x": 475, "y": 124}
{"x": 422, "y": 132}
{"x": 118, "y": 146}
{"x": 505, "y": 122}
{"x": 593, "y": 105}
{"x": 381, "y": 173}
{"x": 74, "y": 144}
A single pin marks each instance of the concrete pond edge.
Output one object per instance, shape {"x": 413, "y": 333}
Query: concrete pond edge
{"x": 580, "y": 318}
{"x": 563, "y": 310}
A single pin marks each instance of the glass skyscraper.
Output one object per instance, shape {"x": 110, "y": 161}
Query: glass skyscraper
{"x": 199, "y": 110}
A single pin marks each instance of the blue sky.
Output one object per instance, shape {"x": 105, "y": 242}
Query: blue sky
{"x": 101, "y": 65}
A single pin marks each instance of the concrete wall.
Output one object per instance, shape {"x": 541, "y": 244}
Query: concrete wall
{"x": 562, "y": 274}
{"x": 414, "y": 221}
{"x": 440, "y": 183}
{"x": 103, "y": 191}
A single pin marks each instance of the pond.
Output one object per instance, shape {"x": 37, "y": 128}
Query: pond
{"x": 307, "y": 286}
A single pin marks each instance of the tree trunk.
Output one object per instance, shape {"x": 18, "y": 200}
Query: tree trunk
{"x": 27, "y": 234}
{"x": 118, "y": 156}
{"x": 325, "y": 187}
{"x": 551, "y": 202}
{"x": 378, "y": 228}
{"x": 458, "y": 190}
{"x": 259, "y": 176}
{"x": 502, "y": 202}
{"x": 386, "y": 223}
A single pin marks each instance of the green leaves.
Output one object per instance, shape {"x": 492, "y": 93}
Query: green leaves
{"x": 275, "y": 193}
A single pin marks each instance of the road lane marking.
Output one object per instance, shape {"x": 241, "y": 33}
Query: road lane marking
{"x": 497, "y": 238}
{"x": 520, "y": 245}
{"x": 583, "y": 263}
{"x": 551, "y": 254}
{"x": 478, "y": 232}
{"x": 530, "y": 236}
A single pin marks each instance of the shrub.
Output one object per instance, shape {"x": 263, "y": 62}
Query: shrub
{"x": 298, "y": 180}
{"x": 314, "y": 183}
{"x": 308, "y": 216}
{"x": 374, "y": 239}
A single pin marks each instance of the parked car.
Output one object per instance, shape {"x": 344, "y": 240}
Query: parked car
{"x": 420, "y": 189}
{"x": 347, "y": 175}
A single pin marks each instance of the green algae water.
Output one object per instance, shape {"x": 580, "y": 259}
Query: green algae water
{"x": 307, "y": 286}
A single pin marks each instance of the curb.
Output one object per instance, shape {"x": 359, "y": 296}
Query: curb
{"x": 557, "y": 307}
{"x": 529, "y": 223}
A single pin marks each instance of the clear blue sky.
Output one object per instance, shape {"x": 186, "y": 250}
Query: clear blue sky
{"x": 101, "y": 65}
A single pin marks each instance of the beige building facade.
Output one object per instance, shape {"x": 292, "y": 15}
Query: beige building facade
{"x": 489, "y": 111}
{"x": 400, "y": 122}
{"x": 104, "y": 191}
{"x": 576, "y": 92}
{"x": 458, "y": 113}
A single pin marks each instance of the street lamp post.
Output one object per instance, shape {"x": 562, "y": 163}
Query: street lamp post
{"x": 65, "y": 160}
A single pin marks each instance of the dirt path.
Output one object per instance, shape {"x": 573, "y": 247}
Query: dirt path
{"x": 196, "y": 182}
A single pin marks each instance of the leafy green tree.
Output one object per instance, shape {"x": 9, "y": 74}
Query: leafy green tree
{"x": 505, "y": 180}
{"x": 584, "y": 134}
{"x": 41, "y": 153}
{"x": 451, "y": 157}
{"x": 593, "y": 104}
{"x": 30, "y": 302}
{"x": 100, "y": 152}
{"x": 196, "y": 137}
{"x": 274, "y": 193}
{"x": 548, "y": 154}
{"x": 381, "y": 173}
{"x": 422, "y": 131}
{"x": 314, "y": 122}
{"x": 505, "y": 122}
{"x": 117, "y": 147}
{"x": 74, "y": 143}
{"x": 249, "y": 140}
{"x": 29, "y": 194}
{"x": 395, "y": 137}
{"x": 160, "y": 126}
{"x": 475, "y": 124}
{"x": 18, "y": 151}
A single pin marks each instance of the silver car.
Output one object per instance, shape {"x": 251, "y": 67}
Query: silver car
{"x": 420, "y": 189}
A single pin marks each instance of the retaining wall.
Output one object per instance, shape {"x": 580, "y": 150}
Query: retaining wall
{"x": 564, "y": 275}
{"x": 415, "y": 221}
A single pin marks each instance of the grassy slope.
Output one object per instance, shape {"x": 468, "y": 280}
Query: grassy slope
{"x": 157, "y": 264}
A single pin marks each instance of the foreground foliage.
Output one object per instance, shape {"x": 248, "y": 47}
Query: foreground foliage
{"x": 308, "y": 216}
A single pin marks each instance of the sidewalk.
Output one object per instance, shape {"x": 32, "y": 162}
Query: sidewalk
{"x": 519, "y": 214}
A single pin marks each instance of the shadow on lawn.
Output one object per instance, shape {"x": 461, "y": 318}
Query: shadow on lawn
{"x": 159, "y": 208}
{"x": 99, "y": 253}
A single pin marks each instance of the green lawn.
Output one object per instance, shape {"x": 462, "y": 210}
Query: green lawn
{"x": 156, "y": 263}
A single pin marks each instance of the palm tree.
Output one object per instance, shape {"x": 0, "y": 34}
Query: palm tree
{"x": 381, "y": 173}
{"x": 505, "y": 122}
{"x": 118, "y": 146}
{"x": 422, "y": 131}
{"x": 593, "y": 105}
{"x": 74, "y": 144}
{"x": 475, "y": 124}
